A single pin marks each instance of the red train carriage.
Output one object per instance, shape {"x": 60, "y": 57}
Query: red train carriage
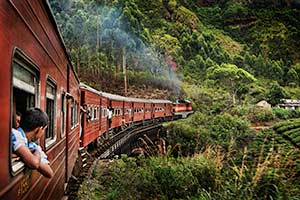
{"x": 138, "y": 109}
{"x": 161, "y": 108}
{"x": 36, "y": 72}
{"x": 90, "y": 121}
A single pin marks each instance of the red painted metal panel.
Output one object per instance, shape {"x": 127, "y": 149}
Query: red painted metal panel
{"x": 29, "y": 26}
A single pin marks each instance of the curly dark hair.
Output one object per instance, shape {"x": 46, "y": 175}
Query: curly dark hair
{"x": 33, "y": 118}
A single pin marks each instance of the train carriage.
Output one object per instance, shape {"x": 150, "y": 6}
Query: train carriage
{"x": 36, "y": 72}
{"x": 138, "y": 109}
{"x": 161, "y": 108}
{"x": 90, "y": 121}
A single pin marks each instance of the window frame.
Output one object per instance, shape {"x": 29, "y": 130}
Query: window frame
{"x": 50, "y": 142}
{"x": 18, "y": 56}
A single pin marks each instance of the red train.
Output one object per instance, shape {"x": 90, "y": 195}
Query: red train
{"x": 36, "y": 72}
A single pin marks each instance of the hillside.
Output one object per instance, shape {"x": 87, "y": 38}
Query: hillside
{"x": 166, "y": 43}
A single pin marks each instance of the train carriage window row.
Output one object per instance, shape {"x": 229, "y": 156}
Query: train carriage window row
{"x": 138, "y": 110}
{"x": 117, "y": 112}
{"x": 159, "y": 109}
{"x": 93, "y": 112}
{"x": 25, "y": 82}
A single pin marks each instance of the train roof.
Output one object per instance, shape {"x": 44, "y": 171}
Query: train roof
{"x": 137, "y": 100}
{"x": 159, "y": 101}
{"x": 122, "y": 98}
{"x": 86, "y": 87}
{"x": 113, "y": 96}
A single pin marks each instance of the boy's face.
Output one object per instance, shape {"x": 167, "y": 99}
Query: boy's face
{"x": 18, "y": 119}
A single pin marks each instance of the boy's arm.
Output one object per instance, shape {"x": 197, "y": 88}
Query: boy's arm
{"x": 46, "y": 170}
{"x": 31, "y": 160}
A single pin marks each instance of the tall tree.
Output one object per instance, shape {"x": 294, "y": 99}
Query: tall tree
{"x": 231, "y": 78}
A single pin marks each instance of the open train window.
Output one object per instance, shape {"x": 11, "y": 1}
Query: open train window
{"x": 50, "y": 135}
{"x": 25, "y": 93}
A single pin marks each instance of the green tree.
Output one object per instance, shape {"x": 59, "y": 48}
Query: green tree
{"x": 231, "y": 78}
{"x": 292, "y": 77}
{"x": 275, "y": 94}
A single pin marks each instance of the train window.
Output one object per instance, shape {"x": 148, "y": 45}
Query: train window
{"x": 89, "y": 111}
{"x": 74, "y": 113}
{"x": 50, "y": 135}
{"x": 25, "y": 95}
{"x": 92, "y": 112}
{"x": 95, "y": 112}
{"x": 63, "y": 112}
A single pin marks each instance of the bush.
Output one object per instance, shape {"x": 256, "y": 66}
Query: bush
{"x": 190, "y": 133}
{"x": 261, "y": 115}
{"x": 157, "y": 178}
{"x": 281, "y": 113}
{"x": 225, "y": 127}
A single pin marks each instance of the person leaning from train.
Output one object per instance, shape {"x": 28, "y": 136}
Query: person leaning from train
{"x": 32, "y": 126}
{"x": 83, "y": 110}
{"x": 16, "y": 124}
